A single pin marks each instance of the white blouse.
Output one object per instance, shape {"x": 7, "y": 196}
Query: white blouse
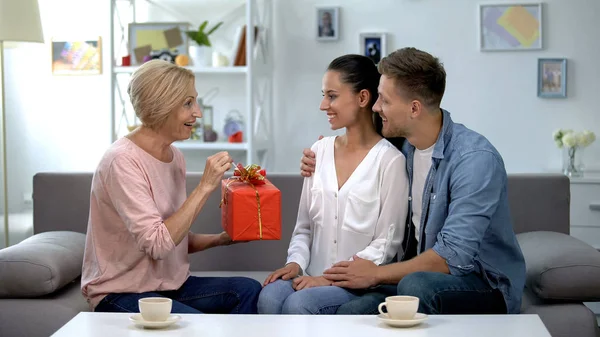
{"x": 366, "y": 217}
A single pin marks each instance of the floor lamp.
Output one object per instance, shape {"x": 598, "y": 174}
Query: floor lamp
{"x": 19, "y": 22}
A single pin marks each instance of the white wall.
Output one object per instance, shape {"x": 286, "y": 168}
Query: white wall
{"x": 492, "y": 93}
{"x": 55, "y": 123}
{"x": 63, "y": 123}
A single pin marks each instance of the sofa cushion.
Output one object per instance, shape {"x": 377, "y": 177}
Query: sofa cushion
{"x": 41, "y": 264}
{"x": 560, "y": 267}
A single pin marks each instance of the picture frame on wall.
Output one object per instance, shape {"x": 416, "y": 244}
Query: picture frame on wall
{"x": 552, "y": 77}
{"x": 76, "y": 57}
{"x": 373, "y": 45}
{"x": 510, "y": 26}
{"x": 327, "y": 23}
{"x": 166, "y": 38}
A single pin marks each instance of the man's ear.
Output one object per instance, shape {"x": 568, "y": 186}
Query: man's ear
{"x": 364, "y": 97}
{"x": 416, "y": 108}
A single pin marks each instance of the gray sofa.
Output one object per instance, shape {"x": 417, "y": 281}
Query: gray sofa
{"x": 562, "y": 271}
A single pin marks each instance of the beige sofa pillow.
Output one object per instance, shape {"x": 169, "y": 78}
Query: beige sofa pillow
{"x": 560, "y": 267}
{"x": 41, "y": 264}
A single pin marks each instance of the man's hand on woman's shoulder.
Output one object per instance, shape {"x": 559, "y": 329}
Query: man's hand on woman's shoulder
{"x": 308, "y": 162}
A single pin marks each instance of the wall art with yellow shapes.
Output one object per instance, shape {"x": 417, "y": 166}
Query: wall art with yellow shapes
{"x": 510, "y": 27}
{"x": 77, "y": 57}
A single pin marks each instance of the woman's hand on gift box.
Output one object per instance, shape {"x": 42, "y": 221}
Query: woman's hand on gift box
{"x": 199, "y": 242}
{"x": 216, "y": 166}
{"x": 288, "y": 272}
{"x": 305, "y": 282}
{"x": 225, "y": 239}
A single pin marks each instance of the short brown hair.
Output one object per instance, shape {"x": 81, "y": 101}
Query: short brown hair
{"x": 418, "y": 73}
{"x": 156, "y": 89}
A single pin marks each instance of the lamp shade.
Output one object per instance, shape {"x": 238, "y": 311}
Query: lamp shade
{"x": 20, "y": 21}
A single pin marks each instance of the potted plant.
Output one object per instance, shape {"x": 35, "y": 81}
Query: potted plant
{"x": 199, "y": 49}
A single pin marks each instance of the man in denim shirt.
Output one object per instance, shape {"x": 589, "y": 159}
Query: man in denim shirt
{"x": 460, "y": 254}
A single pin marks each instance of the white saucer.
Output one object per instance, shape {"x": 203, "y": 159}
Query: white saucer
{"x": 138, "y": 320}
{"x": 402, "y": 323}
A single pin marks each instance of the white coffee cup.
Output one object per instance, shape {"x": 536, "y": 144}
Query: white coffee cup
{"x": 155, "y": 309}
{"x": 400, "y": 307}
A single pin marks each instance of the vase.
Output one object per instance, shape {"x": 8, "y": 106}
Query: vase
{"x": 207, "y": 124}
{"x": 219, "y": 60}
{"x": 572, "y": 164}
{"x": 201, "y": 56}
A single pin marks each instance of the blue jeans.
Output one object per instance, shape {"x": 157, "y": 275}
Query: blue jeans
{"x": 280, "y": 298}
{"x": 213, "y": 295}
{"x": 438, "y": 293}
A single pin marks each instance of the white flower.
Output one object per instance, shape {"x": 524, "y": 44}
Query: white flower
{"x": 557, "y": 135}
{"x": 591, "y": 135}
{"x": 570, "y": 139}
{"x": 586, "y": 138}
{"x": 582, "y": 140}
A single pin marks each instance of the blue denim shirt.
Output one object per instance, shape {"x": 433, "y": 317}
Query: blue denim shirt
{"x": 466, "y": 218}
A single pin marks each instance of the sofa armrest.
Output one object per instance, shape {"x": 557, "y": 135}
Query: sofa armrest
{"x": 560, "y": 267}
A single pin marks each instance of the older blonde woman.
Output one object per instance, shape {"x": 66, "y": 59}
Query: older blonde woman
{"x": 138, "y": 236}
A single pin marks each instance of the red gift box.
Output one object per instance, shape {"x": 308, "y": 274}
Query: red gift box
{"x": 250, "y": 205}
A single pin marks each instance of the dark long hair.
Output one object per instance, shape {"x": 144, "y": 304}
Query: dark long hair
{"x": 361, "y": 73}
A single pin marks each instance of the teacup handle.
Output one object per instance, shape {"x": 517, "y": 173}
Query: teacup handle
{"x": 381, "y": 305}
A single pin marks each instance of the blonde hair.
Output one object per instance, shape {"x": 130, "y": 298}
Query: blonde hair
{"x": 156, "y": 89}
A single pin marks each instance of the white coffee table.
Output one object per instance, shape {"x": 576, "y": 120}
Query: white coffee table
{"x": 87, "y": 324}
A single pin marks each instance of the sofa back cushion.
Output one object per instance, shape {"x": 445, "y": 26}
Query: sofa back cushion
{"x": 61, "y": 202}
{"x": 539, "y": 202}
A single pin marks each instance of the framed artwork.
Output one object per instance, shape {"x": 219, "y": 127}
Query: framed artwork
{"x": 77, "y": 57}
{"x": 328, "y": 23}
{"x": 552, "y": 78}
{"x": 510, "y": 27}
{"x": 373, "y": 46}
{"x": 157, "y": 37}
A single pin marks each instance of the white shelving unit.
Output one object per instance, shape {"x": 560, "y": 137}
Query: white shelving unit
{"x": 196, "y": 70}
{"x": 218, "y": 146}
{"x": 257, "y": 74}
